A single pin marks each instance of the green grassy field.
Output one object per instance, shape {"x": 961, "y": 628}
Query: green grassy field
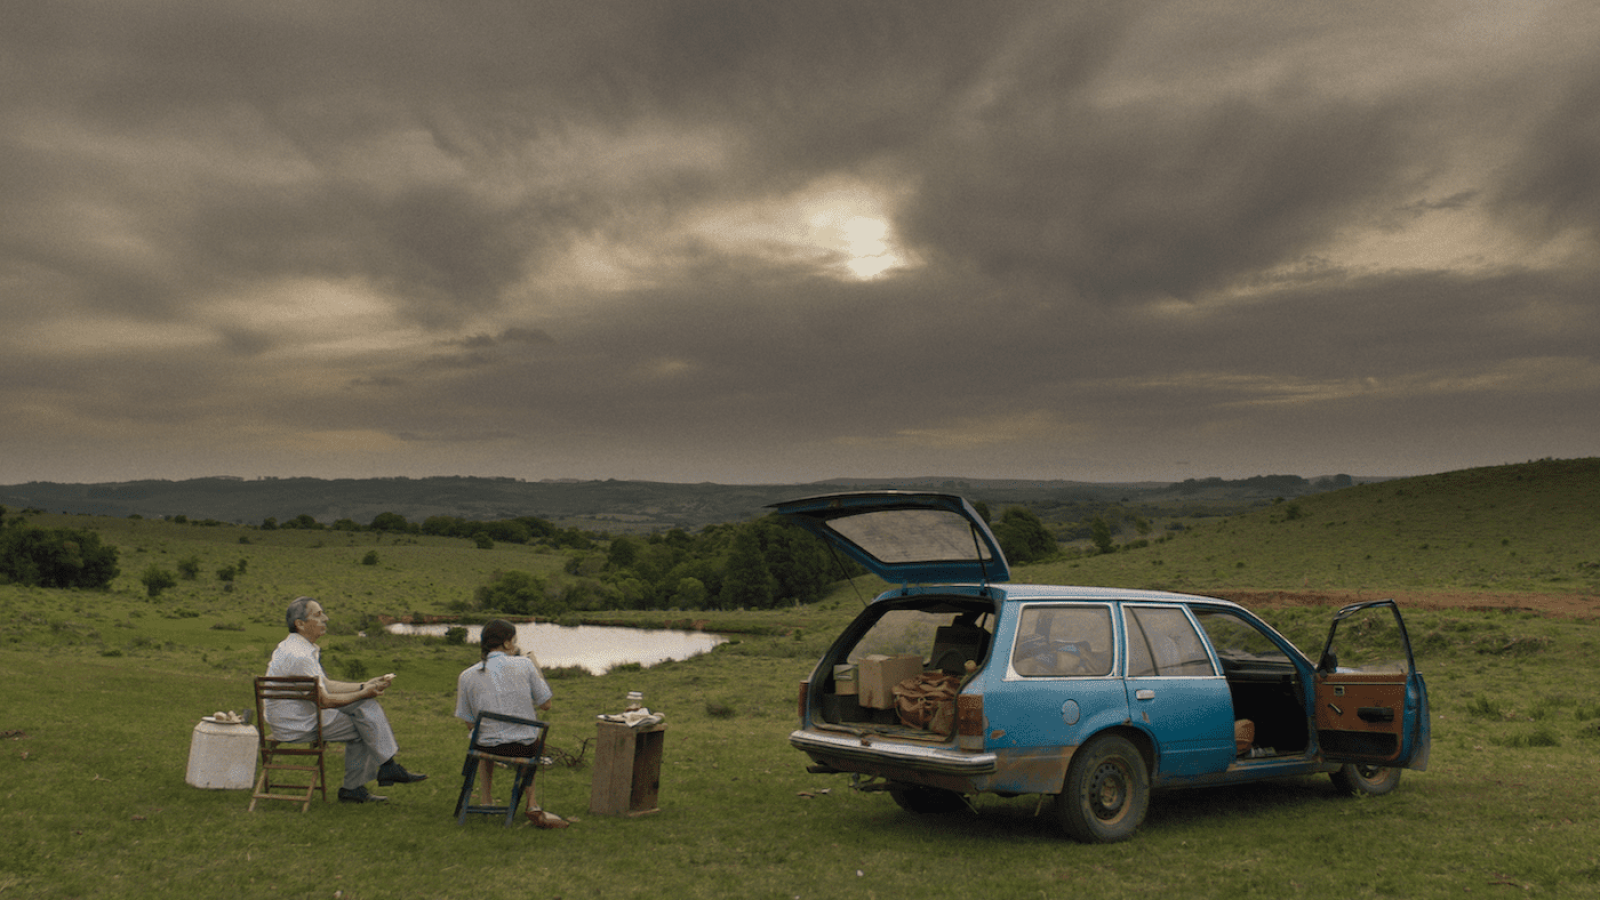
{"x": 102, "y": 691}
{"x": 1525, "y": 528}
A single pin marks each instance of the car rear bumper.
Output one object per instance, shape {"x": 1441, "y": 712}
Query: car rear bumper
{"x": 866, "y": 752}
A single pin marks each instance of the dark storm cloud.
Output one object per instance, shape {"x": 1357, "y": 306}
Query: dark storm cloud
{"x": 1143, "y": 202}
{"x": 1556, "y": 180}
{"x": 613, "y": 239}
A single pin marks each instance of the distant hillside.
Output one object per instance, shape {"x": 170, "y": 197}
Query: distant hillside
{"x": 638, "y": 506}
{"x": 1528, "y": 527}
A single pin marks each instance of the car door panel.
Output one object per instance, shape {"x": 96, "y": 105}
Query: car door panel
{"x": 1175, "y": 692}
{"x": 1371, "y": 704}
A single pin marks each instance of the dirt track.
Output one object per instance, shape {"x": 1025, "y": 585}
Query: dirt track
{"x": 1573, "y": 606}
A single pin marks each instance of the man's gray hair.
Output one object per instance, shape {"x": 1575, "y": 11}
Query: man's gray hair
{"x": 297, "y": 612}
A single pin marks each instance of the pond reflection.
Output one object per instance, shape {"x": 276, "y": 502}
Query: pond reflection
{"x": 596, "y": 648}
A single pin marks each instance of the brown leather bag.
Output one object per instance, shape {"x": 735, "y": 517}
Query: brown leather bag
{"x": 928, "y": 701}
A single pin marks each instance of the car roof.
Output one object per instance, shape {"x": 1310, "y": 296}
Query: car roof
{"x": 1063, "y": 592}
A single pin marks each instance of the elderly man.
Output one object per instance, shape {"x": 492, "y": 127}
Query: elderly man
{"x": 350, "y": 712}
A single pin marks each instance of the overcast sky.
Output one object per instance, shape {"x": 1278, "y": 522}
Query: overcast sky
{"x": 781, "y": 242}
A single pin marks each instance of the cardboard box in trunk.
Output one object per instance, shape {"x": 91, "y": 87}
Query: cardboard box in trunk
{"x": 879, "y": 674}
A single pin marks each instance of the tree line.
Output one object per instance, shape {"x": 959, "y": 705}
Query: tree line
{"x": 54, "y": 557}
{"x": 759, "y": 564}
{"x": 750, "y": 565}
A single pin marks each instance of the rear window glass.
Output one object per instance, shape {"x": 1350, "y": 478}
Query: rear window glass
{"x": 912, "y": 535}
{"x": 1060, "y": 641}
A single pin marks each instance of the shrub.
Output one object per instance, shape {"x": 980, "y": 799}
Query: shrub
{"x": 1481, "y": 707}
{"x": 157, "y": 579}
{"x": 352, "y": 668}
{"x": 1539, "y": 737}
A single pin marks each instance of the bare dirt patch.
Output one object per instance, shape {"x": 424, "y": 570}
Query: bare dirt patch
{"x": 1571, "y": 606}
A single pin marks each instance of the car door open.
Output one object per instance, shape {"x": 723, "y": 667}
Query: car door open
{"x": 1372, "y": 704}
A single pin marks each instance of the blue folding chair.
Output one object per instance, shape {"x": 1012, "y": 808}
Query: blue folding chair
{"x": 525, "y": 767}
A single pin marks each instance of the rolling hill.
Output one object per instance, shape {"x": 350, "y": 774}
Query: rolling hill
{"x": 636, "y": 506}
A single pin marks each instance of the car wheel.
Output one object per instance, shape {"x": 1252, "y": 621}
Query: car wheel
{"x": 925, "y": 801}
{"x": 1370, "y": 780}
{"x": 1107, "y": 791}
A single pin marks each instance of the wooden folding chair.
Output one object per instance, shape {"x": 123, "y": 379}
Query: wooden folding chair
{"x": 525, "y": 767}
{"x": 282, "y": 780}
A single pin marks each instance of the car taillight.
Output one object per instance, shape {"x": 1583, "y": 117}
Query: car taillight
{"x": 805, "y": 688}
{"x": 969, "y": 721}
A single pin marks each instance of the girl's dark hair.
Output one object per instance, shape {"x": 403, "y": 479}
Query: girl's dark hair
{"x": 494, "y": 637}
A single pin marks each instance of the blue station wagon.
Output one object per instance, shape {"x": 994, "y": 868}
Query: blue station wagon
{"x": 957, "y": 683}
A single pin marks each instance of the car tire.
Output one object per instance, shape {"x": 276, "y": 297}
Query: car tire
{"x": 926, "y": 801}
{"x": 1107, "y": 791}
{"x": 1370, "y": 781}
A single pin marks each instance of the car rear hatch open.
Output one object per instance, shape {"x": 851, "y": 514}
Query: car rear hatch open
{"x": 905, "y": 537}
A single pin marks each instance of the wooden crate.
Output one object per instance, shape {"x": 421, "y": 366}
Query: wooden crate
{"x": 627, "y": 770}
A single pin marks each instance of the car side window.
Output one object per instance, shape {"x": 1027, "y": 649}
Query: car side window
{"x": 1059, "y": 641}
{"x": 1239, "y": 642}
{"x": 1162, "y": 642}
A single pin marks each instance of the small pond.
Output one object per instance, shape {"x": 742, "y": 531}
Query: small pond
{"x": 596, "y": 648}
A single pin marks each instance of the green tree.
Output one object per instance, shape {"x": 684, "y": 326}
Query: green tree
{"x": 623, "y": 552}
{"x": 157, "y": 579}
{"x": 1100, "y": 532}
{"x": 55, "y": 558}
{"x": 443, "y": 526}
{"x": 519, "y": 593}
{"x": 689, "y": 594}
{"x": 388, "y": 521}
{"x": 1023, "y": 536}
{"x": 747, "y": 582}
{"x": 801, "y": 567}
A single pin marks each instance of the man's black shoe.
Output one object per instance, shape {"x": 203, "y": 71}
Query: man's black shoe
{"x": 360, "y": 795}
{"x": 392, "y": 772}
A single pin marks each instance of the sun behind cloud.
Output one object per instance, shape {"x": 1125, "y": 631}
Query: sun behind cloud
{"x": 866, "y": 242}
{"x": 843, "y": 225}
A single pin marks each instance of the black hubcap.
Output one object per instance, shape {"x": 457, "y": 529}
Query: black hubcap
{"x": 1108, "y": 791}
